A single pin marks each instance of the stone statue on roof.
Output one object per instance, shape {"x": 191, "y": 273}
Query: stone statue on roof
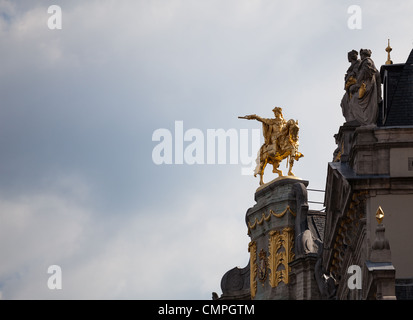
{"x": 363, "y": 89}
{"x": 350, "y": 80}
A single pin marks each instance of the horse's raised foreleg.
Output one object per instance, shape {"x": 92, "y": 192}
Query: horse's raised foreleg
{"x": 298, "y": 155}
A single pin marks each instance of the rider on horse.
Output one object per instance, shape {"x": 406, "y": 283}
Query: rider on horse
{"x": 281, "y": 141}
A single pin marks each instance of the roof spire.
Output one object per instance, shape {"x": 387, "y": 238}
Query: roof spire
{"x": 388, "y": 49}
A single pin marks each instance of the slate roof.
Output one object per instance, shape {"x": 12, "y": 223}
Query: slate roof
{"x": 400, "y": 94}
{"x": 316, "y": 223}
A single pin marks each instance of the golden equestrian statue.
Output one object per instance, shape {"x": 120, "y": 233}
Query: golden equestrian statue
{"x": 281, "y": 141}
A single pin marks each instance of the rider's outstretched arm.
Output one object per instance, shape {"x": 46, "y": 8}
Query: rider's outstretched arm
{"x": 253, "y": 117}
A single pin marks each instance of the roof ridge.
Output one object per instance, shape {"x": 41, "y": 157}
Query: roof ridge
{"x": 409, "y": 60}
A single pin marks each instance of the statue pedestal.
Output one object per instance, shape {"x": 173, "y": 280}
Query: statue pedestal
{"x": 276, "y": 203}
{"x": 285, "y": 239}
{"x": 271, "y": 226}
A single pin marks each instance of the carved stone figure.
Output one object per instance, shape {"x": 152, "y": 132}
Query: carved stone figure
{"x": 281, "y": 141}
{"x": 366, "y": 93}
{"x": 350, "y": 79}
{"x": 305, "y": 242}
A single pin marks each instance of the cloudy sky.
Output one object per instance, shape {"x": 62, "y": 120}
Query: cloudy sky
{"x": 79, "y": 106}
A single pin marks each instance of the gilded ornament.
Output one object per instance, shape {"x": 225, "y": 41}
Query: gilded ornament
{"x": 279, "y": 258}
{"x": 281, "y": 142}
{"x": 262, "y": 266}
{"x": 379, "y": 215}
{"x": 268, "y": 217}
{"x": 388, "y": 50}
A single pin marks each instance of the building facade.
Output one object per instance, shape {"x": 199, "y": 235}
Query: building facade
{"x": 360, "y": 247}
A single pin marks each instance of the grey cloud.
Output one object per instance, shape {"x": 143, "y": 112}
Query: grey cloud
{"x": 79, "y": 107}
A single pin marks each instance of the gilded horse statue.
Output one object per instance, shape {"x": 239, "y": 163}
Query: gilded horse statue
{"x": 281, "y": 142}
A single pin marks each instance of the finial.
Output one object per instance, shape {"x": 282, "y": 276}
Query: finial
{"x": 388, "y": 49}
{"x": 379, "y": 215}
